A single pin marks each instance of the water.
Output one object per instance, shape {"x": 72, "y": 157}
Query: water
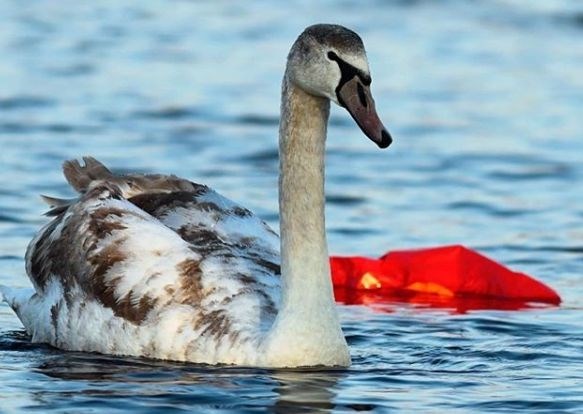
{"x": 484, "y": 102}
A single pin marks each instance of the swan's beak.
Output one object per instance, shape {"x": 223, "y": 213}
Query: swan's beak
{"x": 357, "y": 99}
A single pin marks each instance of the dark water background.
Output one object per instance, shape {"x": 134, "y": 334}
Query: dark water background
{"x": 484, "y": 102}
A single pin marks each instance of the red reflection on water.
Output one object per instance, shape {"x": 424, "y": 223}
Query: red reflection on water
{"x": 386, "y": 300}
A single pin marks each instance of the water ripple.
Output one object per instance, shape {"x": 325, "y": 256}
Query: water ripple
{"x": 9, "y": 219}
{"x": 57, "y": 128}
{"x": 486, "y": 208}
{"x": 24, "y": 102}
{"x": 344, "y": 199}
{"x": 168, "y": 113}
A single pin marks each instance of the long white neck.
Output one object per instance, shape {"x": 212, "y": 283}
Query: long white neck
{"x": 305, "y": 266}
{"x": 306, "y": 331}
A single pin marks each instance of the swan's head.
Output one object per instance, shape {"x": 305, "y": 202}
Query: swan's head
{"x": 330, "y": 61}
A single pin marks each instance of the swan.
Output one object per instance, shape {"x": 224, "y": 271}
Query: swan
{"x": 161, "y": 267}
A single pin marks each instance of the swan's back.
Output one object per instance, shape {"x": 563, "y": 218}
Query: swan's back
{"x": 150, "y": 265}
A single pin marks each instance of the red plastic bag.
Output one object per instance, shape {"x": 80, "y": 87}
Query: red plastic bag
{"x": 443, "y": 273}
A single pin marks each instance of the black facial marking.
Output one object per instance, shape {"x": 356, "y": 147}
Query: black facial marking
{"x": 347, "y": 72}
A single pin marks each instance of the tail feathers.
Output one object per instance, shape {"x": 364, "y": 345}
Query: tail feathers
{"x": 14, "y": 296}
{"x": 80, "y": 176}
{"x": 19, "y": 299}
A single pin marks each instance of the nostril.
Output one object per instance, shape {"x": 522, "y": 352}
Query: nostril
{"x": 361, "y": 95}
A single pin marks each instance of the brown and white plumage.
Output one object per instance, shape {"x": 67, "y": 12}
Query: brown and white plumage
{"x": 158, "y": 266}
{"x": 145, "y": 258}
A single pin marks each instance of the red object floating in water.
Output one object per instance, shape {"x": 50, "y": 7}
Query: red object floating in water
{"x": 449, "y": 276}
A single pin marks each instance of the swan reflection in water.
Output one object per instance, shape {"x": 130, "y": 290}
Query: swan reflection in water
{"x": 76, "y": 380}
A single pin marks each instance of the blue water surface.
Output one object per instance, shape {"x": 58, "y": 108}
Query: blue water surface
{"x": 484, "y": 102}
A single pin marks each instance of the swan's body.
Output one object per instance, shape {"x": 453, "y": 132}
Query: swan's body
{"x": 161, "y": 267}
